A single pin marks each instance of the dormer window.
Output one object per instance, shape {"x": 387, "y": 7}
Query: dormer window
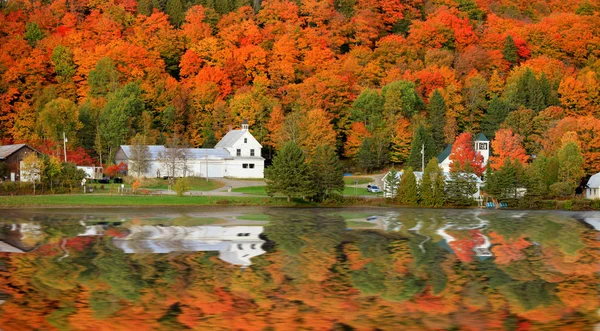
{"x": 238, "y": 152}
{"x": 245, "y": 140}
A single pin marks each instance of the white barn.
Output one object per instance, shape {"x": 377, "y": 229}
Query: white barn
{"x": 592, "y": 189}
{"x": 236, "y": 155}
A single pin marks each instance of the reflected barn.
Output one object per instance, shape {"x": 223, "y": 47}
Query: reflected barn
{"x": 415, "y": 270}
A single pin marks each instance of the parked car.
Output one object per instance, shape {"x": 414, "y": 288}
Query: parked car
{"x": 373, "y": 189}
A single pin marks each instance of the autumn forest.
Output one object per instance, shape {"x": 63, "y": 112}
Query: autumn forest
{"x": 360, "y": 75}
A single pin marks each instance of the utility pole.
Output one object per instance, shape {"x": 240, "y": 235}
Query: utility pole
{"x": 423, "y": 158}
{"x": 65, "y": 146}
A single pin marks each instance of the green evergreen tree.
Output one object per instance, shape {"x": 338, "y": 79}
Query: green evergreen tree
{"x": 373, "y": 153}
{"x": 436, "y": 118}
{"x": 570, "y": 163}
{"x": 176, "y": 12}
{"x": 210, "y": 140}
{"x": 493, "y": 118}
{"x": 421, "y": 137}
{"x": 289, "y": 174}
{"x": 408, "y": 191}
{"x": 460, "y": 188}
{"x": 547, "y": 91}
{"x": 144, "y": 7}
{"x": 510, "y": 52}
{"x": 327, "y": 179}
{"x": 64, "y": 65}
{"x": 391, "y": 184}
{"x": 433, "y": 184}
{"x": 33, "y": 33}
{"x": 491, "y": 182}
{"x": 473, "y": 11}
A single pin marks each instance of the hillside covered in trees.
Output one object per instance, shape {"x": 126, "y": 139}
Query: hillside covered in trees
{"x": 359, "y": 75}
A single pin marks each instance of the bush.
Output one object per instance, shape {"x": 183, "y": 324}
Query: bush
{"x": 595, "y": 204}
{"x": 561, "y": 189}
{"x": 582, "y": 204}
{"x": 181, "y": 186}
{"x": 568, "y": 205}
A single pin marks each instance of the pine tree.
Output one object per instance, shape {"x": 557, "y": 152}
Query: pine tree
{"x": 436, "y": 118}
{"x": 546, "y": 89}
{"x": 421, "y": 137}
{"x": 408, "y": 192}
{"x": 432, "y": 185}
{"x": 391, "y": 184}
{"x": 510, "y": 52}
{"x": 289, "y": 174}
{"x": 176, "y": 12}
{"x": 327, "y": 179}
{"x": 495, "y": 115}
{"x": 460, "y": 188}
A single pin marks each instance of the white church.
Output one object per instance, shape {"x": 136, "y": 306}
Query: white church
{"x": 481, "y": 146}
{"x": 236, "y": 155}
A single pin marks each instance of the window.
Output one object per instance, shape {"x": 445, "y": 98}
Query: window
{"x": 245, "y": 165}
{"x": 252, "y": 152}
{"x": 240, "y": 246}
{"x": 482, "y": 146}
{"x": 238, "y": 152}
{"x": 251, "y": 165}
{"x": 253, "y": 246}
{"x": 245, "y": 140}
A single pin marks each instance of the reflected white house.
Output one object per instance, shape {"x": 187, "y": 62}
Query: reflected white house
{"x": 236, "y": 244}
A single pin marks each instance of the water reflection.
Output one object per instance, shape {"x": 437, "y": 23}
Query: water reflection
{"x": 324, "y": 269}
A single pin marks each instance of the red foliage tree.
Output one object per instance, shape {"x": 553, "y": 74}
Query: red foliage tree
{"x": 464, "y": 158}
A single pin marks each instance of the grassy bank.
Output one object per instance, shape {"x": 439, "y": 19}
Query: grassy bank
{"x": 117, "y": 200}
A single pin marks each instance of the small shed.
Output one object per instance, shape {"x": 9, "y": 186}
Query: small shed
{"x": 592, "y": 188}
{"x": 12, "y": 155}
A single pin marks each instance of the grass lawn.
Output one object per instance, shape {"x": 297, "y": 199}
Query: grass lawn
{"x": 138, "y": 200}
{"x": 196, "y": 184}
{"x": 254, "y": 217}
{"x": 360, "y": 180}
{"x": 358, "y": 191}
{"x": 255, "y": 190}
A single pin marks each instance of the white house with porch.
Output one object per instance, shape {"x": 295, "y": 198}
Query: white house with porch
{"x": 592, "y": 189}
{"x": 236, "y": 155}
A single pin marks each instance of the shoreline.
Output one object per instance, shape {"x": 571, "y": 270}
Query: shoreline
{"x": 71, "y": 201}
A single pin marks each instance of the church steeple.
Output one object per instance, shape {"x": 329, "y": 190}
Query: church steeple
{"x": 245, "y": 125}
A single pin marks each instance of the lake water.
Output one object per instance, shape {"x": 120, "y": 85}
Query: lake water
{"x": 298, "y": 269}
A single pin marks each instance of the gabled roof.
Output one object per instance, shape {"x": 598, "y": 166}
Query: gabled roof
{"x": 230, "y": 138}
{"x": 191, "y": 153}
{"x": 8, "y": 150}
{"x": 445, "y": 153}
{"x": 481, "y": 137}
{"x": 594, "y": 181}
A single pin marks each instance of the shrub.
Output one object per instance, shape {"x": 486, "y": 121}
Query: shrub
{"x": 561, "y": 189}
{"x": 136, "y": 185}
{"x": 568, "y": 205}
{"x": 596, "y": 204}
{"x": 181, "y": 186}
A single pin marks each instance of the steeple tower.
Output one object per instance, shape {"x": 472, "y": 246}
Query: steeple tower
{"x": 245, "y": 125}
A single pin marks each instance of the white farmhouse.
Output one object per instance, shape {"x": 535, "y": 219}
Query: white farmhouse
{"x": 237, "y": 155}
{"x": 593, "y": 187}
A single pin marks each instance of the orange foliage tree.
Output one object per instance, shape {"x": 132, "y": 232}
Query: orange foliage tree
{"x": 507, "y": 145}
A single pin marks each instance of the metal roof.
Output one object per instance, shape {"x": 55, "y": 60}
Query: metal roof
{"x": 481, "y": 137}
{"x": 7, "y": 150}
{"x": 230, "y": 138}
{"x": 445, "y": 153}
{"x": 191, "y": 153}
{"x": 594, "y": 181}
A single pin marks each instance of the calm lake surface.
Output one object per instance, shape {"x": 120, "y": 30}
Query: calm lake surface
{"x": 298, "y": 269}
